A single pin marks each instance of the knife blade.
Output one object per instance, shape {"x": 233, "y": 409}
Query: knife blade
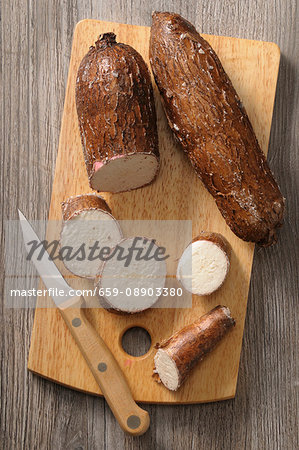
{"x": 104, "y": 367}
{"x": 43, "y": 263}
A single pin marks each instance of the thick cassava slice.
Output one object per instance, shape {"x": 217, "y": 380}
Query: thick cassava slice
{"x": 117, "y": 117}
{"x": 207, "y": 117}
{"x": 177, "y": 356}
{"x": 87, "y": 224}
{"x": 204, "y": 265}
{"x": 131, "y": 281}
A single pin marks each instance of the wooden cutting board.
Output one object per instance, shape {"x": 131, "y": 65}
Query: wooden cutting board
{"x": 176, "y": 194}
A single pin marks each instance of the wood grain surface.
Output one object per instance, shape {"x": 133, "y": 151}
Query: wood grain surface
{"x": 176, "y": 194}
{"x": 37, "y": 414}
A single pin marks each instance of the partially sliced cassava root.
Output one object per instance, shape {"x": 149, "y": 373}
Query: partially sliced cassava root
{"x": 87, "y": 222}
{"x": 131, "y": 284}
{"x": 204, "y": 265}
{"x": 209, "y": 120}
{"x": 117, "y": 117}
{"x": 177, "y": 356}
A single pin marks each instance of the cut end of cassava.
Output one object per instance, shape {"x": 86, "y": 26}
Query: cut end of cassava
{"x": 204, "y": 265}
{"x": 167, "y": 370}
{"x": 124, "y": 173}
{"x": 87, "y": 223}
{"x": 132, "y": 287}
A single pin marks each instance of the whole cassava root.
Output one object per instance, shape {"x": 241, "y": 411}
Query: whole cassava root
{"x": 117, "y": 117}
{"x": 209, "y": 120}
{"x": 177, "y": 356}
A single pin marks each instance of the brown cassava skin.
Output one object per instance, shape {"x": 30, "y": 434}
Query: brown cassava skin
{"x": 115, "y": 104}
{"x": 209, "y": 120}
{"x": 84, "y": 202}
{"x": 217, "y": 239}
{"x": 192, "y": 343}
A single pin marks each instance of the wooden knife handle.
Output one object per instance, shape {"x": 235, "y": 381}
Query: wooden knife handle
{"x": 105, "y": 369}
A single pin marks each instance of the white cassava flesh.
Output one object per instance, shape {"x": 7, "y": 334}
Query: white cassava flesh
{"x": 167, "y": 370}
{"x": 86, "y": 228}
{"x": 147, "y": 276}
{"x": 123, "y": 173}
{"x": 203, "y": 267}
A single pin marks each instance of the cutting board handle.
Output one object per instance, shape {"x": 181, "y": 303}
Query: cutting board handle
{"x": 105, "y": 369}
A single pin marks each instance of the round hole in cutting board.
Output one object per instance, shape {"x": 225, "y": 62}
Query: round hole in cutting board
{"x": 136, "y": 341}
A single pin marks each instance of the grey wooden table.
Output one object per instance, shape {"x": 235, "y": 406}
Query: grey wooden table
{"x": 37, "y": 414}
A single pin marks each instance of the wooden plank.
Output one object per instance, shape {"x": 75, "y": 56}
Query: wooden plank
{"x": 253, "y": 68}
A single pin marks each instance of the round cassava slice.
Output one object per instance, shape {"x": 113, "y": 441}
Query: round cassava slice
{"x": 117, "y": 117}
{"x": 133, "y": 276}
{"x": 204, "y": 264}
{"x": 88, "y": 227}
{"x": 177, "y": 356}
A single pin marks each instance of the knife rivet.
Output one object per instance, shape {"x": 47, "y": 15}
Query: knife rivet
{"x": 102, "y": 367}
{"x": 133, "y": 422}
{"x": 76, "y": 322}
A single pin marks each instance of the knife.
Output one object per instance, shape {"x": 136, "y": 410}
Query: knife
{"x": 100, "y": 360}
